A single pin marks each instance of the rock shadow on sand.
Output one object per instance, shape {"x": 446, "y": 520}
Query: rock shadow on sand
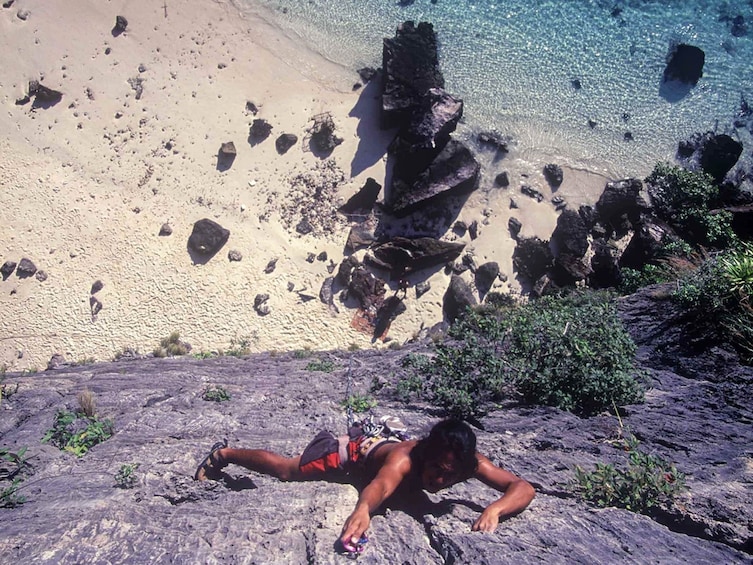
{"x": 372, "y": 139}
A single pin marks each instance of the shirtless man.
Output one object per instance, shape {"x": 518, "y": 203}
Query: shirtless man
{"x": 446, "y": 457}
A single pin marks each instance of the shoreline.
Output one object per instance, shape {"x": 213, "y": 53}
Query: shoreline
{"x": 91, "y": 180}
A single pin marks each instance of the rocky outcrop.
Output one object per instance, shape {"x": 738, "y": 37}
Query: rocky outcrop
{"x": 162, "y": 424}
{"x": 684, "y": 64}
{"x": 457, "y": 298}
{"x": 401, "y": 255}
{"x": 454, "y": 171}
{"x": 714, "y": 154}
{"x": 410, "y": 69}
{"x": 207, "y": 237}
{"x": 259, "y": 131}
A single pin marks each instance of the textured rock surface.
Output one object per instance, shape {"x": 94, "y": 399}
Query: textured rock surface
{"x": 699, "y": 417}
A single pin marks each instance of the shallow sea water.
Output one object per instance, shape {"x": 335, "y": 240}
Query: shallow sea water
{"x": 514, "y": 63}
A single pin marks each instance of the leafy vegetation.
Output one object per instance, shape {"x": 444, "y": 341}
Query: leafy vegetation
{"x": 239, "y": 347}
{"x": 126, "y": 475}
{"x": 171, "y": 346}
{"x": 359, "y": 403}
{"x": 647, "y": 482}
{"x": 12, "y": 466}
{"x": 77, "y": 433}
{"x": 685, "y": 200}
{"x": 566, "y": 351}
{"x": 302, "y": 353}
{"x": 323, "y": 365}
{"x": 216, "y": 393}
{"x": 718, "y": 293}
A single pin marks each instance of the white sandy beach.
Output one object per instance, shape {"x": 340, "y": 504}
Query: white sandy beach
{"x": 86, "y": 184}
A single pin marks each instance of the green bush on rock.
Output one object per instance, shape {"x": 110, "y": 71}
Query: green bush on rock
{"x": 567, "y": 351}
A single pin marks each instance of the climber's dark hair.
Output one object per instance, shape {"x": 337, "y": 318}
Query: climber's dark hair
{"x": 448, "y": 435}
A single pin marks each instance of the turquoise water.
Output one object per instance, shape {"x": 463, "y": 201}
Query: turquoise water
{"x": 513, "y": 62}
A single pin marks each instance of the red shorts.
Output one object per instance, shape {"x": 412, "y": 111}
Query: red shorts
{"x": 328, "y": 453}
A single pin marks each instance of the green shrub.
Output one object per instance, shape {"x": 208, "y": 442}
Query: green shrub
{"x": 717, "y": 294}
{"x": 239, "y": 347}
{"x": 633, "y": 279}
{"x": 647, "y": 482}
{"x": 685, "y": 199}
{"x": 216, "y": 394}
{"x": 12, "y": 465}
{"x": 126, "y": 475}
{"x": 566, "y": 351}
{"x": 77, "y": 433}
{"x": 323, "y": 365}
{"x": 302, "y": 353}
{"x": 171, "y": 346}
{"x": 358, "y": 403}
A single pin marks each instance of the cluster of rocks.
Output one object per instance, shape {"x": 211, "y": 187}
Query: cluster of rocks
{"x": 24, "y": 269}
{"x": 623, "y": 229}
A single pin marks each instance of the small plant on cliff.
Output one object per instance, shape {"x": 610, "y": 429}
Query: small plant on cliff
{"x": 76, "y": 432}
{"x": 239, "y": 347}
{"x": 718, "y": 294}
{"x": 358, "y": 403}
{"x": 216, "y": 393}
{"x": 648, "y": 481}
{"x": 12, "y": 466}
{"x": 567, "y": 351}
{"x": 171, "y": 346}
{"x": 302, "y": 353}
{"x": 126, "y": 475}
{"x": 323, "y": 365}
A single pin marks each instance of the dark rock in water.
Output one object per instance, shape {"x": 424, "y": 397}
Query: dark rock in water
{"x": 719, "y": 154}
{"x": 7, "y": 269}
{"x": 97, "y": 286}
{"x": 207, "y": 237}
{"x": 226, "y": 156}
{"x": 715, "y": 154}
{"x": 495, "y": 140}
{"x": 366, "y": 74}
{"x": 685, "y": 64}
{"x": 165, "y": 230}
{"x": 486, "y": 274}
{"x": 364, "y": 199}
{"x": 576, "y": 84}
{"x": 120, "y": 25}
{"x": 410, "y": 65}
{"x": 285, "y": 142}
{"x": 514, "y": 225}
{"x": 570, "y": 236}
{"x": 553, "y": 174}
{"x": 457, "y": 298}
{"x": 628, "y": 136}
{"x": 401, "y": 255}
{"x": 259, "y": 131}
{"x": 26, "y": 268}
{"x": 532, "y": 192}
{"x": 426, "y": 133}
{"x": 44, "y": 97}
{"x": 532, "y": 258}
{"x": 739, "y": 27}
{"x": 454, "y": 171}
{"x": 358, "y": 237}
